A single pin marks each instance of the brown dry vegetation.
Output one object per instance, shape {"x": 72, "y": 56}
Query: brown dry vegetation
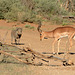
{"x": 30, "y": 37}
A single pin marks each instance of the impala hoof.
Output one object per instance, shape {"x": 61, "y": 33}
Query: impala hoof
{"x": 68, "y": 63}
{"x": 54, "y": 53}
{"x": 57, "y": 53}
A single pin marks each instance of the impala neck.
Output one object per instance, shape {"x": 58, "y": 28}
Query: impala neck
{"x": 50, "y": 34}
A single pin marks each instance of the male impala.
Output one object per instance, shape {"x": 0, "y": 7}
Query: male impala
{"x": 57, "y": 33}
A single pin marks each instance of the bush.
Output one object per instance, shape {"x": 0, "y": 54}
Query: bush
{"x": 11, "y": 16}
{"x": 56, "y": 19}
{"x": 29, "y": 10}
{"x": 47, "y": 6}
{"x": 4, "y": 8}
{"x": 65, "y": 22}
{"x": 29, "y": 27}
{"x": 27, "y": 16}
{"x": 1, "y": 16}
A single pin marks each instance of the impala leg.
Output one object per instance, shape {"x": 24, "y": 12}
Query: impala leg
{"x": 53, "y": 46}
{"x": 58, "y": 45}
{"x": 70, "y": 40}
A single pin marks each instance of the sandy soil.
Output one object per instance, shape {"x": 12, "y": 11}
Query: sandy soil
{"x": 30, "y": 38}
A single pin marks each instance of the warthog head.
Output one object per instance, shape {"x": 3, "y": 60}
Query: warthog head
{"x": 18, "y": 32}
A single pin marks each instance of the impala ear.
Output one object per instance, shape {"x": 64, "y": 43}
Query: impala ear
{"x": 40, "y": 31}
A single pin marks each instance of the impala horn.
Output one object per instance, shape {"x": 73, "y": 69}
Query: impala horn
{"x": 39, "y": 26}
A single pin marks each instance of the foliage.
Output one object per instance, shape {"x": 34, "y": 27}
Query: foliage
{"x": 29, "y": 27}
{"x": 65, "y": 22}
{"x": 46, "y": 6}
{"x": 27, "y": 10}
{"x": 56, "y": 19}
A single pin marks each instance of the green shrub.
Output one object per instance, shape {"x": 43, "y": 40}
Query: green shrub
{"x": 1, "y": 16}
{"x": 56, "y": 19}
{"x": 27, "y": 10}
{"x": 47, "y": 6}
{"x": 11, "y": 16}
{"x": 27, "y": 26}
{"x": 32, "y": 27}
{"x": 65, "y": 22}
{"x": 28, "y": 16}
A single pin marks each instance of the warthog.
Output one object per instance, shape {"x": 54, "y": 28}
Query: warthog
{"x": 16, "y": 35}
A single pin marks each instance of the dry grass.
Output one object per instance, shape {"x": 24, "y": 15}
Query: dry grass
{"x": 32, "y": 37}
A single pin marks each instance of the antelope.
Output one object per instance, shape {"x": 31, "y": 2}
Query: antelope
{"x": 57, "y": 34}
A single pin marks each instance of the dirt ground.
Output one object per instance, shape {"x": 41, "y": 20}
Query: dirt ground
{"x": 30, "y": 38}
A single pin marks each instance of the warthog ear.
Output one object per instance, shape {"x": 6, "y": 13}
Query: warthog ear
{"x": 18, "y": 28}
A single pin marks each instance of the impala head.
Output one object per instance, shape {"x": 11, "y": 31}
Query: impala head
{"x": 42, "y": 36}
{"x": 42, "y": 33}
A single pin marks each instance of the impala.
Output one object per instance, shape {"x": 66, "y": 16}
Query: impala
{"x": 57, "y": 34}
